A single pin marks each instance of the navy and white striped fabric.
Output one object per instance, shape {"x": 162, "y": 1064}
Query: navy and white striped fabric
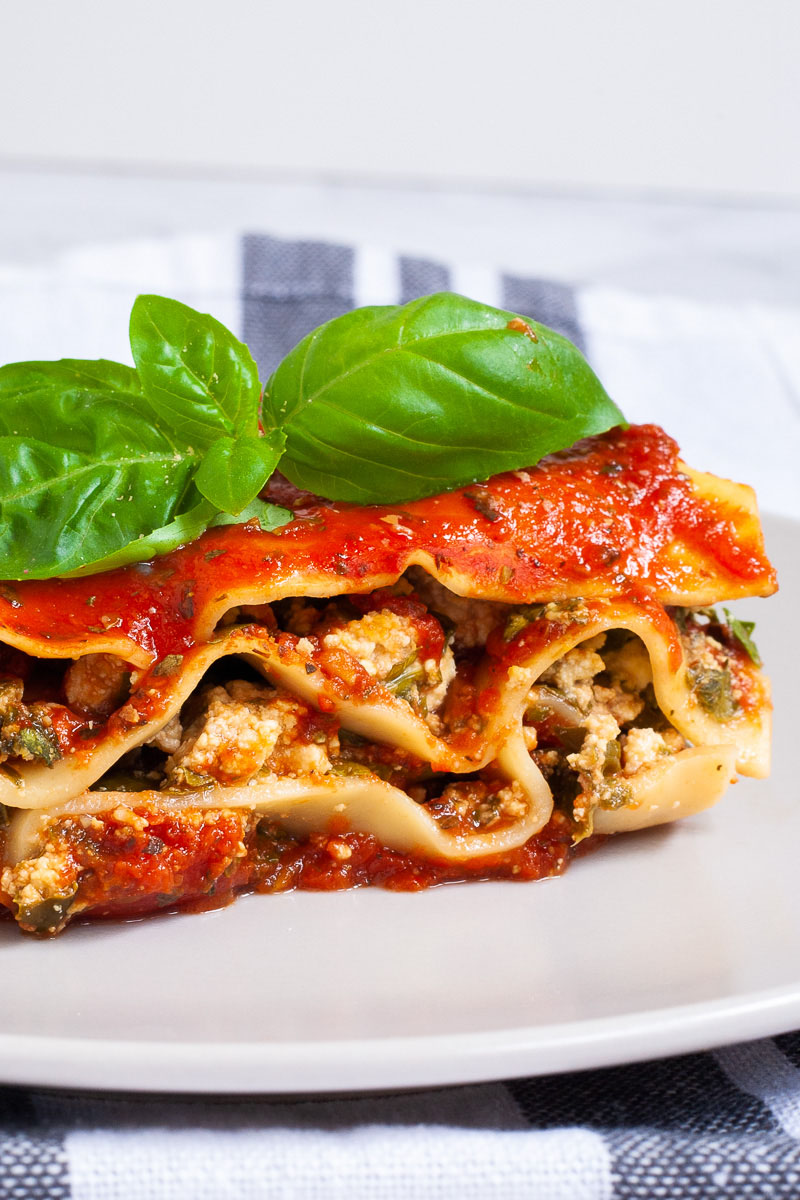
{"x": 289, "y": 287}
{"x": 706, "y": 1126}
{"x": 718, "y": 1124}
{"x": 721, "y": 377}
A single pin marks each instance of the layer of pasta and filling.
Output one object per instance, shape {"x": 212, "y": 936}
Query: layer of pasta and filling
{"x": 590, "y": 724}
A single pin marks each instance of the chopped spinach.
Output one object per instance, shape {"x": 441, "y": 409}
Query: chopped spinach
{"x": 713, "y": 688}
{"x": 520, "y": 618}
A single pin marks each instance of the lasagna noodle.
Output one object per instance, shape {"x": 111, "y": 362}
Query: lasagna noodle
{"x": 663, "y": 790}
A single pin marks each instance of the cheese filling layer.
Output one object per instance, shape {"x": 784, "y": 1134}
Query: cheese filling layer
{"x": 449, "y": 729}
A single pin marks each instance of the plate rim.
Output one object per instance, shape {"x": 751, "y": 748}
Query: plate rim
{"x": 430, "y": 1061}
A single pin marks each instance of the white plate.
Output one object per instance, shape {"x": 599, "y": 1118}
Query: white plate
{"x": 657, "y": 943}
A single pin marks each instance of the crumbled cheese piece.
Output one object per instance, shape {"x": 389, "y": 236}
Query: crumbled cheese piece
{"x": 300, "y": 616}
{"x": 601, "y": 728}
{"x": 511, "y": 801}
{"x": 379, "y": 640}
{"x": 126, "y": 816}
{"x": 472, "y": 801}
{"x": 673, "y": 740}
{"x": 338, "y": 849}
{"x": 623, "y": 706}
{"x": 438, "y": 677}
{"x": 246, "y": 728}
{"x": 382, "y": 640}
{"x": 573, "y": 674}
{"x": 46, "y": 877}
{"x": 640, "y": 747}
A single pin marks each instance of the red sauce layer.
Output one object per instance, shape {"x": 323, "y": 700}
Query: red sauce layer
{"x": 598, "y": 519}
{"x": 121, "y": 870}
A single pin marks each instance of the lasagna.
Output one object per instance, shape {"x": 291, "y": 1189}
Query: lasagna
{"x": 469, "y": 686}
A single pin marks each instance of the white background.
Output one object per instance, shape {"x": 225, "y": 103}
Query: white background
{"x": 686, "y": 96}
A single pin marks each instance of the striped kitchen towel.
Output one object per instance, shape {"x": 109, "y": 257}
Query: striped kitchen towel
{"x": 702, "y": 1126}
{"x": 722, "y": 379}
{"x": 716, "y": 1124}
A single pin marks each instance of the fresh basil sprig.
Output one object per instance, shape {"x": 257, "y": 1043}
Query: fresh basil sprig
{"x": 102, "y": 464}
{"x": 388, "y": 404}
{"x": 195, "y": 373}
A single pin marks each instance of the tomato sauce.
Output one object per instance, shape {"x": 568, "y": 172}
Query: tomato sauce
{"x": 203, "y": 859}
{"x": 593, "y": 520}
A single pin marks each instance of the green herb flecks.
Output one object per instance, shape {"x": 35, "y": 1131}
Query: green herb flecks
{"x": 405, "y": 676}
{"x": 39, "y": 742}
{"x": 168, "y": 665}
{"x": 349, "y": 766}
{"x": 25, "y": 731}
{"x": 743, "y": 632}
{"x": 537, "y": 714}
{"x": 615, "y": 794}
{"x": 714, "y": 690}
{"x": 684, "y": 616}
{"x": 612, "y": 761}
{"x": 520, "y": 618}
{"x": 46, "y": 917}
{"x": 571, "y": 737}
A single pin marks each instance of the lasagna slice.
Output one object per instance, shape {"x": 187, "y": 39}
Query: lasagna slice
{"x": 465, "y": 687}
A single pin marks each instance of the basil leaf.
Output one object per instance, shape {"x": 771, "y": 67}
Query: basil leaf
{"x": 388, "y": 404}
{"x": 186, "y": 527}
{"x": 87, "y": 472}
{"x": 33, "y": 379}
{"x": 234, "y": 470}
{"x": 197, "y": 375}
{"x": 86, "y": 461}
{"x": 43, "y": 400}
{"x": 269, "y": 516}
{"x": 743, "y": 632}
{"x": 90, "y": 463}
